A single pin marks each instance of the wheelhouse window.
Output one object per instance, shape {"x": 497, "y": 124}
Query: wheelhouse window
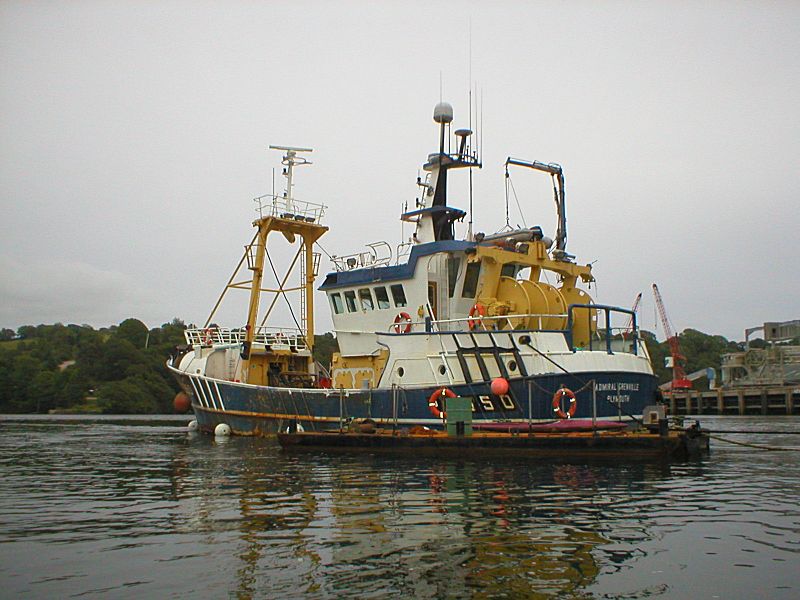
{"x": 398, "y": 295}
{"x": 336, "y": 302}
{"x": 452, "y": 275}
{"x": 382, "y": 297}
{"x": 471, "y": 276}
{"x": 350, "y": 300}
{"x": 366, "y": 299}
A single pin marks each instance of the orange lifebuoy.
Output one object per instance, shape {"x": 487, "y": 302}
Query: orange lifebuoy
{"x": 480, "y": 310}
{"x": 208, "y": 337}
{"x": 403, "y": 317}
{"x": 433, "y": 402}
{"x": 573, "y": 405}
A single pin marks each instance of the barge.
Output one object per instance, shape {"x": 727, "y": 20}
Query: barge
{"x": 644, "y": 444}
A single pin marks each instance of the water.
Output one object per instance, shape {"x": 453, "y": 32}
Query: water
{"x": 124, "y": 508}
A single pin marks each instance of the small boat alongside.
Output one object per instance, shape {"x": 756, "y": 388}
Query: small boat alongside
{"x": 500, "y": 319}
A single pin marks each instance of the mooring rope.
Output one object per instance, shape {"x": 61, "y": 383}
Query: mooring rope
{"x": 748, "y": 431}
{"x": 758, "y": 446}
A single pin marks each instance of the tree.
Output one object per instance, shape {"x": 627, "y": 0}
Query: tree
{"x": 324, "y": 347}
{"x": 126, "y": 396}
{"x": 89, "y": 355}
{"x": 25, "y": 368}
{"x": 658, "y": 353}
{"x": 702, "y": 350}
{"x": 43, "y": 391}
{"x": 119, "y": 357}
{"x": 6, "y": 386}
{"x": 134, "y": 331}
{"x": 75, "y": 386}
{"x": 26, "y": 332}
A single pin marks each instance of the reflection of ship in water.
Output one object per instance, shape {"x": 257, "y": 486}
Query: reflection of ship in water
{"x": 258, "y": 518}
{"x": 523, "y": 532}
{"x": 359, "y": 524}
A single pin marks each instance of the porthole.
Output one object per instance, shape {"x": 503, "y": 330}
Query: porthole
{"x": 442, "y": 369}
{"x": 512, "y": 365}
{"x": 401, "y": 371}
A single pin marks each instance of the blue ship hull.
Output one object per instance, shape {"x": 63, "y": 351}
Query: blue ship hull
{"x": 261, "y": 410}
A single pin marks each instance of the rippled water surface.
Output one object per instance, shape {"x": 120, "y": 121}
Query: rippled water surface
{"x": 126, "y": 508}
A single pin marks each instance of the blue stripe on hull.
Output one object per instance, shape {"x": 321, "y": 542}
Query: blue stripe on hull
{"x": 263, "y": 410}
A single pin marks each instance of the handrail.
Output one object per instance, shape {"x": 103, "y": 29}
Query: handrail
{"x": 273, "y": 205}
{"x": 276, "y": 337}
{"x": 538, "y": 316}
{"x": 373, "y": 257}
{"x": 609, "y": 335}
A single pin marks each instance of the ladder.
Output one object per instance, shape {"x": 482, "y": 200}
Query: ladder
{"x": 315, "y": 259}
{"x": 480, "y": 353}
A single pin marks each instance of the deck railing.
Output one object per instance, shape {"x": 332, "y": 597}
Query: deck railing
{"x": 276, "y": 337}
{"x": 378, "y": 254}
{"x": 621, "y": 339}
{"x": 490, "y": 323}
{"x": 271, "y": 205}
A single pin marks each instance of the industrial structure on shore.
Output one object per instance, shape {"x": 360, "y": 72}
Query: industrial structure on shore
{"x": 758, "y": 380}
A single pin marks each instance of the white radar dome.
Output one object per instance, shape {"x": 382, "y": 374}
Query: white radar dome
{"x": 443, "y": 113}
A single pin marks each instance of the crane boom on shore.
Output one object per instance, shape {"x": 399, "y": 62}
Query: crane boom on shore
{"x": 679, "y": 379}
{"x": 634, "y": 308}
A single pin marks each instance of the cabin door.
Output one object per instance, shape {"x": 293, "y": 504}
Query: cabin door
{"x": 437, "y": 288}
{"x": 432, "y": 297}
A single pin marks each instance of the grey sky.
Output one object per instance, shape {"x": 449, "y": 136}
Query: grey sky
{"x": 133, "y": 136}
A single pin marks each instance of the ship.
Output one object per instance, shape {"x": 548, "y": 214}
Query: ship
{"x": 435, "y": 318}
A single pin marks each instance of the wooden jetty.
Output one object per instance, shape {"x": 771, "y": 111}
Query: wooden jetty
{"x": 750, "y": 400}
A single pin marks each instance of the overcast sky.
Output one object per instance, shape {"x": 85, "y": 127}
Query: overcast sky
{"x": 133, "y": 136}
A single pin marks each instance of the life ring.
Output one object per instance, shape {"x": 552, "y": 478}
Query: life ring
{"x": 573, "y": 405}
{"x": 433, "y": 402}
{"x": 403, "y": 317}
{"x": 207, "y": 337}
{"x": 478, "y": 309}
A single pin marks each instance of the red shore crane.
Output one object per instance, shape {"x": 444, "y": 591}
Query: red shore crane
{"x": 679, "y": 380}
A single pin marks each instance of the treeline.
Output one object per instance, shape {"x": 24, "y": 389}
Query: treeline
{"x": 700, "y": 349}
{"x": 75, "y": 368}
{"x": 121, "y": 369}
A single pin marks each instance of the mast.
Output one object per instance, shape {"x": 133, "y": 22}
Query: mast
{"x": 435, "y": 219}
{"x": 292, "y": 218}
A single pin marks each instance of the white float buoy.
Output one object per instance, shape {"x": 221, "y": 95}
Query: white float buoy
{"x": 192, "y": 426}
{"x": 222, "y": 430}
